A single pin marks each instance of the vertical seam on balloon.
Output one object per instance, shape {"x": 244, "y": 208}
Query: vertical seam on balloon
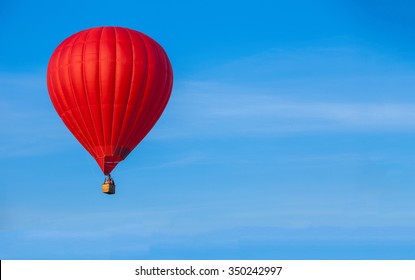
{"x": 86, "y": 88}
{"x": 140, "y": 106}
{"x": 115, "y": 92}
{"x": 71, "y": 121}
{"x": 152, "y": 119}
{"x": 129, "y": 93}
{"x": 61, "y": 101}
{"x": 169, "y": 76}
{"x": 167, "y": 67}
{"x": 100, "y": 91}
{"x": 58, "y": 103}
{"x": 55, "y": 100}
{"x": 147, "y": 120}
{"x": 150, "y": 122}
{"x": 136, "y": 114}
{"x": 89, "y": 140}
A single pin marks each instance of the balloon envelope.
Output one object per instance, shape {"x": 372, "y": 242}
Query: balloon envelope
{"x": 109, "y": 85}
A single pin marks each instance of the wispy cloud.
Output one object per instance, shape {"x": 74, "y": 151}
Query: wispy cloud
{"x": 187, "y": 222}
{"x": 212, "y": 111}
{"x": 29, "y": 125}
{"x": 315, "y": 89}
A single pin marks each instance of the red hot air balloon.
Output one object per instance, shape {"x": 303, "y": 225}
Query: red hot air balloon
{"x": 109, "y": 85}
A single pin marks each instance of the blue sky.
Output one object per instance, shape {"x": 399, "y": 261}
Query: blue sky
{"x": 289, "y": 135}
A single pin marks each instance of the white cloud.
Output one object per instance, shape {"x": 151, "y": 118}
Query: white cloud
{"x": 216, "y": 110}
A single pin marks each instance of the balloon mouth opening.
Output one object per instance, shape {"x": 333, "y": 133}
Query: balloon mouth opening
{"x": 108, "y": 163}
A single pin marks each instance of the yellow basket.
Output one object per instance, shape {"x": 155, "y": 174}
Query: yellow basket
{"x": 108, "y": 188}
